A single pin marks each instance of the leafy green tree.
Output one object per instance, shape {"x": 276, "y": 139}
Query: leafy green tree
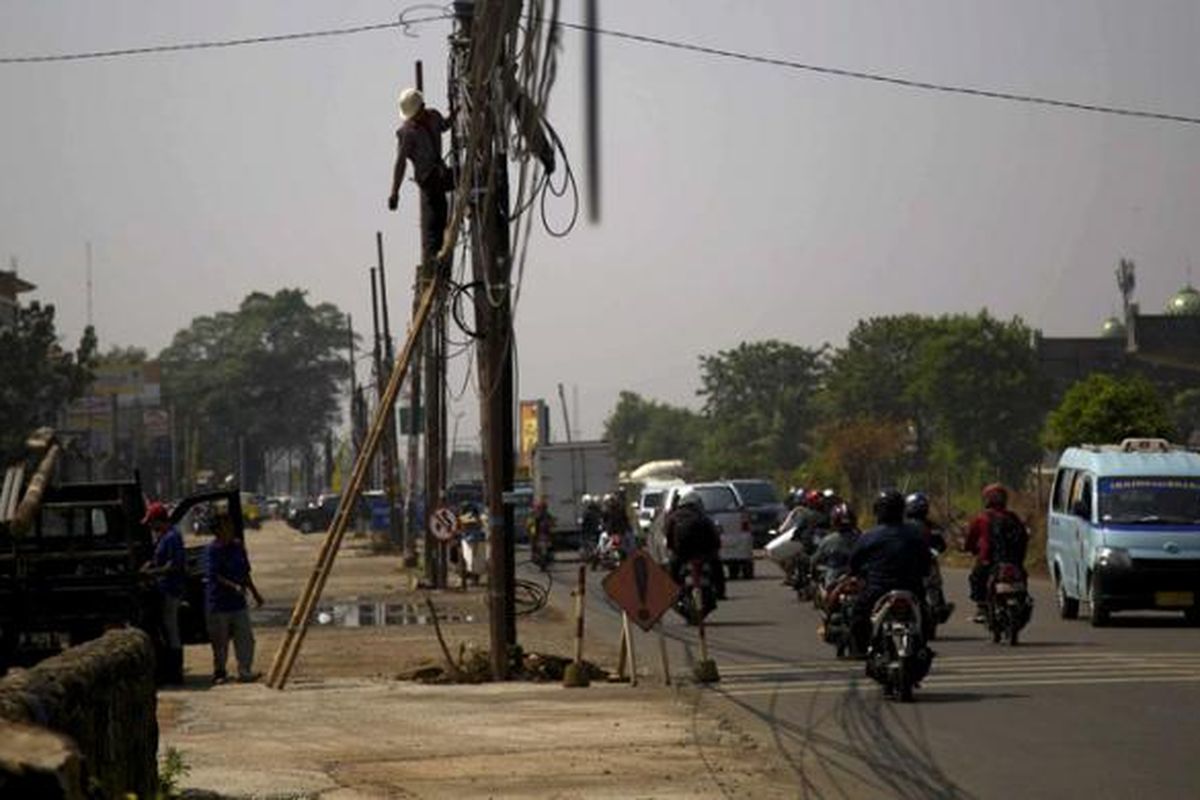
{"x": 645, "y": 430}
{"x": 1186, "y": 413}
{"x": 263, "y": 378}
{"x": 874, "y": 375}
{"x": 759, "y": 406}
{"x": 40, "y": 378}
{"x": 978, "y": 377}
{"x": 1104, "y": 408}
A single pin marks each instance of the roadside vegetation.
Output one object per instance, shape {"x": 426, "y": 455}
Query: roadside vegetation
{"x": 942, "y": 404}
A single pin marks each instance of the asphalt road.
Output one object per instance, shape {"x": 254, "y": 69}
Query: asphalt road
{"x": 1072, "y": 711}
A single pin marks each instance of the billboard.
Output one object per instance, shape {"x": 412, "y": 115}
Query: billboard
{"x": 534, "y": 420}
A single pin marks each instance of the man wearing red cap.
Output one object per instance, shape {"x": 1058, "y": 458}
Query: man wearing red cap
{"x": 169, "y": 566}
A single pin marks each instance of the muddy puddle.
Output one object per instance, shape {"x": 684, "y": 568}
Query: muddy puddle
{"x": 359, "y": 614}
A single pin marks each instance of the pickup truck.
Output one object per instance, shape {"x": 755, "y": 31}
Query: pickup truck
{"x": 76, "y": 571}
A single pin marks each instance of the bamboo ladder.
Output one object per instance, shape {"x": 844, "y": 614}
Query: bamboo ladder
{"x": 289, "y": 648}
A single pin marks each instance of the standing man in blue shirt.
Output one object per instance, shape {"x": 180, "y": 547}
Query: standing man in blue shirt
{"x": 169, "y": 567}
{"x": 226, "y": 582}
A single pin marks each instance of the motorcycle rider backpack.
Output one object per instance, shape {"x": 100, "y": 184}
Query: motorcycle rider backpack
{"x": 1007, "y": 538}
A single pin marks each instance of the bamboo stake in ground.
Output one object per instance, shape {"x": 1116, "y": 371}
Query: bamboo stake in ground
{"x": 575, "y": 676}
{"x": 629, "y": 642}
{"x": 662, "y": 651}
{"x": 297, "y": 627}
{"x": 706, "y": 668}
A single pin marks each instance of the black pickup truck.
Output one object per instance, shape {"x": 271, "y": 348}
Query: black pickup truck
{"x": 77, "y": 571}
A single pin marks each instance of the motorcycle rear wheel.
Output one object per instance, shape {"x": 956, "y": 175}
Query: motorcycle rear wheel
{"x": 1013, "y": 635}
{"x": 904, "y": 684}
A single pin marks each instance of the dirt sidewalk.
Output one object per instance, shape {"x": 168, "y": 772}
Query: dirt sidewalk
{"x": 347, "y": 728}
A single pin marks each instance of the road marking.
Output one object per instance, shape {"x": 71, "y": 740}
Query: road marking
{"x": 934, "y": 684}
{"x": 996, "y": 671}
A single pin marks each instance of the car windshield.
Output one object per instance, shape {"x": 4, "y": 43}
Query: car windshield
{"x": 652, "y": 499}
{"x": 717, "y": 498}
{"x": 757, "y": 493}
{"x": 1150, "y": 501}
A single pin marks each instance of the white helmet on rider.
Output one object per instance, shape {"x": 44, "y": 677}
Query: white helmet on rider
{"x": 691, "y": 498}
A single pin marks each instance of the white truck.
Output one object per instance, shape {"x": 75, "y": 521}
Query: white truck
{"x": 565, "y": 471}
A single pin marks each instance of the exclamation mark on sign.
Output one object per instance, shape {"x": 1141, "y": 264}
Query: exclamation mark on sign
{"x": 641, "y": 577}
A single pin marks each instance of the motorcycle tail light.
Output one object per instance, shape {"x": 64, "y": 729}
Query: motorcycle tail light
{"x": 1009, "y": 573}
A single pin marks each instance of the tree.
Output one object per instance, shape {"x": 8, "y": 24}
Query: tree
{"x": 645, "y": 430}
{"x": 1186, "y": 412}
{"x": 861, "y": 453}
{"x": 875, "y": 374}
{"x": 39, "y": 377}
{"x": 978, "y": 378}
{"x": 263, "y": 378}
{"x": 759, "y": 406}
{"x": 1105, "y": 408}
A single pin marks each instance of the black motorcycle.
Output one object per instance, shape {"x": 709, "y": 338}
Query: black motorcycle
{"x": 897, "y": 656}
{"x": 1009, "y": 605}
{"x": 838, "y": 607}
{"x": 685, "y": 606}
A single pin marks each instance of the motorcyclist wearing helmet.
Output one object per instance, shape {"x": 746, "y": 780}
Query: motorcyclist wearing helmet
{"x": 916, "y": 512}
{"x": 832, "y": 558}
{"x": 995, "y": 536}
{"x": 891, "y": 556}
{"x": 691, "y": 535}
{"x": 591, "y": 522}
{"x": 615, "y": 516}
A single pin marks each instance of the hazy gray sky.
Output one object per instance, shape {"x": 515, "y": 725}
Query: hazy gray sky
{"x": 740, "y": 201}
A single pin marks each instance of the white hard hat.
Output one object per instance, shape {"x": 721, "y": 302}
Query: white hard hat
{"x": 411, "y": 101}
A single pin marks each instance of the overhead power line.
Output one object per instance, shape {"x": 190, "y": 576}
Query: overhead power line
{"x": 633, "y": 37}
{"x": 221, "y": 43}
{"x": 881, "y": 78}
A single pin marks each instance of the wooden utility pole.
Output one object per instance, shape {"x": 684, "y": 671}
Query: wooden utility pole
{"x": 391, "y": 454}
{"x": 491, "y": 265}
{"x": 435, "y": 399}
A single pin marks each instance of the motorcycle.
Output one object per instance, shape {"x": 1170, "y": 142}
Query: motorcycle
{"x": 610, "y": 551}
{"x": 897, "y": 656}
{"x": 1009, "y": 606}
{"x": 686, "y": 604}
{"x": 935, "y": 599}
{"x": 792, "y": 551}
{"x": 838, "y": 606}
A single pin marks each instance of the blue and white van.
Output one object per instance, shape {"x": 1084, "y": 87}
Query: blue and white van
{"x": 1123, "y": 531}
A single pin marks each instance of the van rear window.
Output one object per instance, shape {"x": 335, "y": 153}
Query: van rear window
{"x": 1150, "y": 500}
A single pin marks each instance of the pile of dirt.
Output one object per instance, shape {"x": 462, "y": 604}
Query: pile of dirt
{"x": 475, "y": 666}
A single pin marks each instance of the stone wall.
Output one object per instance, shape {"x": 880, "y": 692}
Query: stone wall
{"x": 102, "y": 696}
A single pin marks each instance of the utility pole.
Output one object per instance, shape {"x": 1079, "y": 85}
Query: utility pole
{"x": 434, "y": 417}
{"x": 353, "y": 391}
{"x": 391, "y": 453}
{"x": 491, "y": 265}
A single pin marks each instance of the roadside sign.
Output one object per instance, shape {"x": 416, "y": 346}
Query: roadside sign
{"x": 443, "y": 524}
{"x": 642, "y": 588}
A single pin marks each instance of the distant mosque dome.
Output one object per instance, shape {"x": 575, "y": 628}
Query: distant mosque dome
{"x": 1185, "y": 303}
{"x": 1113, "y": 328}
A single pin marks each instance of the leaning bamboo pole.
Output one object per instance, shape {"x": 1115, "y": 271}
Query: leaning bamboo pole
{"x": 289, "y": 648}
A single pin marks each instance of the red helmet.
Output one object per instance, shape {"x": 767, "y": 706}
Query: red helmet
{"x": 155, "y": 512}
{"x": 995, "y": 496}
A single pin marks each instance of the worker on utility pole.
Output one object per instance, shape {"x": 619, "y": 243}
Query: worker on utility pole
{"x": 419, "y": 139}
